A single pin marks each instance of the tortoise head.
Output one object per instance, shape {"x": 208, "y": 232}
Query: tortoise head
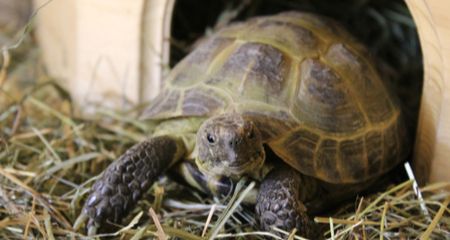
{"x": 229, "y": 145}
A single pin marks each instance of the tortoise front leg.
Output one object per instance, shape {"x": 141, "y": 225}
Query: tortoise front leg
{"x": 126, "y": 179}
{"x": 280, "y": 202}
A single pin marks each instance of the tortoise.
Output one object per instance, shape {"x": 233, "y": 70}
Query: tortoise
{"x": 294, "y": 84}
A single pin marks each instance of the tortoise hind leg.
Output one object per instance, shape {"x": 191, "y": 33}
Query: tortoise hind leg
{"x": 333, "y": 195}
{"x": 125, "y": 180}
{"x": 280, "y": 202}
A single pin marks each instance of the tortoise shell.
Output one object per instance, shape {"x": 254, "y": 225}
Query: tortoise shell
{"x": 306, "y": 83}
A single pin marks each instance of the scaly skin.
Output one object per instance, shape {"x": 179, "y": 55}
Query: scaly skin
{"x": 279, "y": 203}
{"x": 125, "y": 180}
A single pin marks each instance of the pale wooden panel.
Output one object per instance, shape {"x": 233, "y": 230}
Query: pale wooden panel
{"x": 107, "y": 52}
{"x": 432, "y": 149}
{"x": 57, "y": 37}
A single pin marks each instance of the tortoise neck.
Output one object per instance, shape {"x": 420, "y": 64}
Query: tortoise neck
{"x": 261, "y": 173}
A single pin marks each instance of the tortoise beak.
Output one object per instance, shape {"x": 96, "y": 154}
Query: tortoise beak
{"x": 233, "y": 169}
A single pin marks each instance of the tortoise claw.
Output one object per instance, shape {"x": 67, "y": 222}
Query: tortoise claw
{"x": 82, "y": 219}
{"x": 92, "y": 230}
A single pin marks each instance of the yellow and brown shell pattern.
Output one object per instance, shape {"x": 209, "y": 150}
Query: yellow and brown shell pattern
{"x": 309, "y": 86}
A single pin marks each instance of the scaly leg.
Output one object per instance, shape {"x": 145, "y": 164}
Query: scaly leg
{"x": 280, "y": 201}
{"x": 126, "y": 179}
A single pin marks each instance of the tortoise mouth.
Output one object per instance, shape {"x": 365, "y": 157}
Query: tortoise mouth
{"x": 235, "y": 169}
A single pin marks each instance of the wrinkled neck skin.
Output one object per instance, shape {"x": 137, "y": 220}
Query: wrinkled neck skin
{"x": 230, "y": 145}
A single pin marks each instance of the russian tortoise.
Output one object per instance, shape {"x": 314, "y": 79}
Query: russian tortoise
{"x": 295, "y": 83}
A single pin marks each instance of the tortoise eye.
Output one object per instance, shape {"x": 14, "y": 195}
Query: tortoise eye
{"x": 210, "y": 138}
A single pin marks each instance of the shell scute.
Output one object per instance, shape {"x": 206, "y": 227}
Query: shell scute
{"x": 292, "y": 38}
{"x": 272, "y": 124}
{"x": 163, "y": 106}
{"x": 202, "y": 102}
{"x": 323, "y": 100}
{"x": 366, "y": 85}
{"x": 353, "y": 159}
{"x": 390, "y": 147}
{"x": 322, "y": 84}
{"x": 299, "y": 147}
{"x": 196, "y": 64}
{"x": 253, "y": 71}
{"x": 327, "y": 161}
{"x": 374, "y": 148}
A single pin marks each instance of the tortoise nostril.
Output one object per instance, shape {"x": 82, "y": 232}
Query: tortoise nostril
{"x": 233, "y": 143}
